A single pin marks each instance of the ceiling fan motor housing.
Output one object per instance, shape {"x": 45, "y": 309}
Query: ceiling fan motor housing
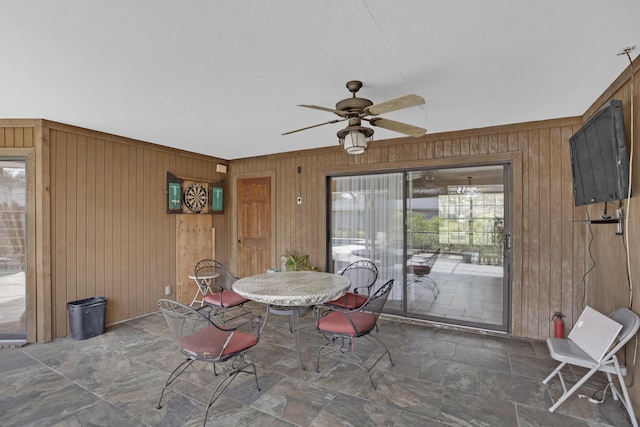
{"x": 353, "y": 105}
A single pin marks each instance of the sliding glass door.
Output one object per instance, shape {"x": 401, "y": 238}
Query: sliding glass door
{"x": 441, "y": 234}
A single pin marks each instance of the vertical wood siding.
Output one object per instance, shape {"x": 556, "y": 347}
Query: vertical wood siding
{"x": 611, "y": 260}
{"x": 110, "y": 235}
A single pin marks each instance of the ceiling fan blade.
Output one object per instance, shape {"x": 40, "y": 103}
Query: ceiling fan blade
{"x": 331, "y": 110}
{"x": 397, "y": 126}
{"x": 314, "y": 126}
{"x": 395, "y": 104}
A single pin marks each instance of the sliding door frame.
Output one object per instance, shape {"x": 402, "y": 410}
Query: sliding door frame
{"x": 512, "y": 172}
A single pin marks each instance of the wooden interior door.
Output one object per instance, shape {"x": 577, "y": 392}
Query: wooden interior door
{"x": 254, "y": 226}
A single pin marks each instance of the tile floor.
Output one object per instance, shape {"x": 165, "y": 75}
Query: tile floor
{"x": 441, "y": 377}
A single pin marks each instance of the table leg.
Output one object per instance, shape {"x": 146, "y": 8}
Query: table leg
{"x": 296, "y": 333}
{"x": 195, "y": 297}
{"x": 206, "y": 285}
{"x": 294, "y": 314}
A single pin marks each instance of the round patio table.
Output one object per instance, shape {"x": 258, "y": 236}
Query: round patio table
{"x": 289, "y": 293}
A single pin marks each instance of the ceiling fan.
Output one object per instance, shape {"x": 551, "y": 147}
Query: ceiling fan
{"x": 355, "y": 137}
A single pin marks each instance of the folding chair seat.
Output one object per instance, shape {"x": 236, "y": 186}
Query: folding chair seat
{"x": 567, "y": 352}
{"x": 363, "y": 275}
{"x": 342, "y": 327}
{"x": 200, "y": 338}
{"x": 220, "y": 295}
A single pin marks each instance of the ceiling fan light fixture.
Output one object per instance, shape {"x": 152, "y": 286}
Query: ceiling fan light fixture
{"x": 355, "y": 139}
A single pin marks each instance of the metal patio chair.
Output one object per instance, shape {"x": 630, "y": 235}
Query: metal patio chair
{"x": 421, "y": 270}
{"x": 200, "y": 338}
{"x": 341, "y": 329}
{"x": 363, "y": 275}
{"x": 220, "y": 294}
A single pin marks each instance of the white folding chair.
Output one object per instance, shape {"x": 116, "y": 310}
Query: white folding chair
{"x": 568, "y": 352}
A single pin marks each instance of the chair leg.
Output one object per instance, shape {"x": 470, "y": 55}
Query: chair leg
{"x": 386, "y": 350}
{"x": 172, "y": 377}
{"x": 243, "y": 312}
{"x": 573, "y": 389}
{"x": 222, "y": 386}
{"x": 554, "y": 372}
{"x": 626, "y": 402}
{"x": 346, "y": 348}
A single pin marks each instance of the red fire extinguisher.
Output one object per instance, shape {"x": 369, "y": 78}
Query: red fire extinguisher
{"x": 558, "y": 325}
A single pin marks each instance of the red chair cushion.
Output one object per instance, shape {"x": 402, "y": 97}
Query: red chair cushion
{"x": 208, "y": 342}
{"x": 337, "y": 322}
{"x": 349, "y": 300}
{"x": 225, "y": 299}
{"x": 421, "y": 270}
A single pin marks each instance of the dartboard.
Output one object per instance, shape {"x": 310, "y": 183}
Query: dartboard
{"x": 196, "y": 197}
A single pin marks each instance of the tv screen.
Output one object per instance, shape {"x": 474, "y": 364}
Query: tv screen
{"x": 599, "y": 159}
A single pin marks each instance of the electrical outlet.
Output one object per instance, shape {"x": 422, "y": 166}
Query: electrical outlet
{"x": 299, "y": 200}
{"x": 167, "y": 290}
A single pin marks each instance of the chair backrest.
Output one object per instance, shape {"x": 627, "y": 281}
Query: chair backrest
{"x": 199, "y": 336}
{"x": 362, "y": 274}
{"x": 630, "y": 322}
{"x": 424, "y": 267}
{"x": 376, "y": 302}
{"x": 224, "y": 278}
{"x": 432, "y": 258}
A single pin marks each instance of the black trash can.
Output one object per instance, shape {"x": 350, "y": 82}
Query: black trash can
{"x": 86, "y": 317}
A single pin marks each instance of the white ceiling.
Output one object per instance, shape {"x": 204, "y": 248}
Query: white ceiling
{"x": 224, "y": 78}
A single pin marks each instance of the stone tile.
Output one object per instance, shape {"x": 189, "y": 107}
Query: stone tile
{"x": 409, "y": 394}
{"x": 541, "y": 348}
{"x": 451, "y": 374}
{"x": 349, "y": 410}
{"x": 536, "y": 417}
{"x": 348, "y": 378}
{"x": 458, "y": 337}
{"x": 482, "y": 357}
{"x": 294, "y": 400}
{"x": 535, "y": 367}
{"x": 608, "y": 413}
{"x": 243, "y": 388}
{"x": 470, "y": 409}
{"x": 509, "y": 344}
{"x": 514, "y": 388}
{"x": 428, "y": 347}
{"x": 35, "y": 397}
{"x": 407, "y": 419}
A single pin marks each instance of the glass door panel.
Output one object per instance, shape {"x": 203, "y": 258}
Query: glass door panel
{"x": 367, "y": 223}
{"x": 13, "y": 191}
{"x": 455, "y": 233}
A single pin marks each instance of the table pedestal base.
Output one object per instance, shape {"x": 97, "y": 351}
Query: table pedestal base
{"x": 294, "y": 314}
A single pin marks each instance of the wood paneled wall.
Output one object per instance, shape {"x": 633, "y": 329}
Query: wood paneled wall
{"x": 109, "y": 234}
{"x": 547, "y": 261}
{"x": 612, "y": 260}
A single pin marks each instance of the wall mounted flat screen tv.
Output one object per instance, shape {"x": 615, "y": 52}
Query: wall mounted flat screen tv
{"x": 599, "y": 160}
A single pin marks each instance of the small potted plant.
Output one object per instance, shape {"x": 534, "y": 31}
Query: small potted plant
{"x": 298, "y": 262}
